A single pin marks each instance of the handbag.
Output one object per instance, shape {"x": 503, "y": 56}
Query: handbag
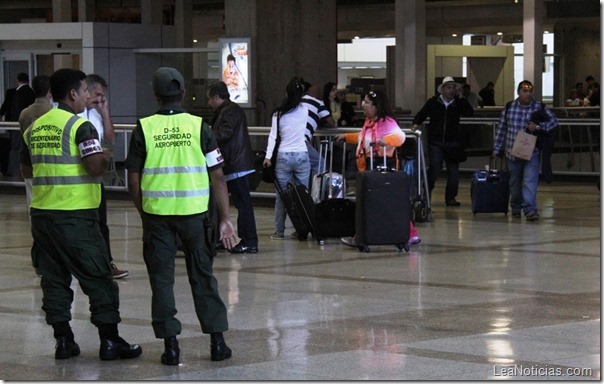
{"x": 524, "y": 145}
{"x": 268, "y": 173}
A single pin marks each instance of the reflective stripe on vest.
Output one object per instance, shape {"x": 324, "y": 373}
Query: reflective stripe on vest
{"x": 175, "y": 177}
{"x": 60, "y": 180}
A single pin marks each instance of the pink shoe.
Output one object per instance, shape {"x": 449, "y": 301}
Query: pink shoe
{"x": 414, "y": 240}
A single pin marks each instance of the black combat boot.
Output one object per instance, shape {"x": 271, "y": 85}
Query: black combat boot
{"x": 171, "y": 355}
{"x": 113, "y": 346}
{"x": 65, "y": 347}
{"x": 218, "y": 347}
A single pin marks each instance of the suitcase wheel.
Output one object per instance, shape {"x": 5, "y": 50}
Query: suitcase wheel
{"x": 364, "y": 248}
{"x": 419, "y": 211}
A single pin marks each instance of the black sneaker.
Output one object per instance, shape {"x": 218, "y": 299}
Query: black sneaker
{"x": 240, "y": 248}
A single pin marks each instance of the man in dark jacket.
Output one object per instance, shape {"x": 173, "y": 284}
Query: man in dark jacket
{"x": 230, "y": 130}
{"x": 488, "y": 95}
{"x": 446, "y": 138}
{"x": 22, "y": 97}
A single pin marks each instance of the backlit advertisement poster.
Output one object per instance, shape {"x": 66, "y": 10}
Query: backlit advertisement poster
{"x": 235, "y": 69}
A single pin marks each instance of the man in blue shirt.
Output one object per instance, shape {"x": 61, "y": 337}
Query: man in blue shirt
{"x": 524, "y": 113}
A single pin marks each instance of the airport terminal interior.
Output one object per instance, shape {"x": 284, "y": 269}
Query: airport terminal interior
{"x": 482, "y": 297}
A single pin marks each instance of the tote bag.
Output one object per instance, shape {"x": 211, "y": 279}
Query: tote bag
{"x": 524, "y": 145}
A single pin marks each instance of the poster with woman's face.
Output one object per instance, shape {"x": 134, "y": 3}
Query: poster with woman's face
{"x": 235, "y": 69}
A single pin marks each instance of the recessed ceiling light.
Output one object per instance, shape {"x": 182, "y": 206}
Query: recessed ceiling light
{"x": 454, "y": 34}
{"x": 195, "y": 40}
{"x": 356, "y": 37}
{"x": 499, "y": 33}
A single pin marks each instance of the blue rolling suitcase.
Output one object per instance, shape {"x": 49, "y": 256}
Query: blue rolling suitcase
{"x": 490, "y": 190}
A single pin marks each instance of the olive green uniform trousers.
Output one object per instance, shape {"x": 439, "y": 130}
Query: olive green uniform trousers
{"x": 159, "y": 251}
{"x": 66, "y": 244}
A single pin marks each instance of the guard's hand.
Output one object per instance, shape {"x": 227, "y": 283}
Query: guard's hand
{"x": 266, "y": 163}
{"x": 227, "y": 234}
{"x": 341, "y": 137}
{"x": 414, "y": 127}
{"x": 494, "y": 155}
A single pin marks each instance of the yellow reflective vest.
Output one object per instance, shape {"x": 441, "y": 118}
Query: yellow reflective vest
{"x": 60, "y": 180}
{"x": 175, "y": 177}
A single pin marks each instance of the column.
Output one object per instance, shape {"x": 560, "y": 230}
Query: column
{"x": 61, "y": 13}
{"x": 151, "y": 12}
{"x": 532, "y": 29}
{"x": 289, "y": 38}
{"x": 183, "y": 20}
{"x": 410, "y": 55}
{"x": 86, "y": 10}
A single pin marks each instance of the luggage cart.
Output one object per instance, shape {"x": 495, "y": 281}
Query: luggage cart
{"x": 415, "y": 167}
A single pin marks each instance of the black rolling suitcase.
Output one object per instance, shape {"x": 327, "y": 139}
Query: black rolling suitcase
{"x": 334, "y": 216}
{"x": 383, "y": 208}
{"x": 490, "y": 190}
{"x": 299, "y": 207}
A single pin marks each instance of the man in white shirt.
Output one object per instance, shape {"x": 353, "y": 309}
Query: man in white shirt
{"x": 97, "y": 112}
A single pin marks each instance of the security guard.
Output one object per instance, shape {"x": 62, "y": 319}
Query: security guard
{"x": 63, "y": 155}
{"x": 172, "y": 161}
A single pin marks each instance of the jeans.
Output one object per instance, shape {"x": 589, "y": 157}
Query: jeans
{"x": 290, "y": 165}
{"x": 524, "y": 177}
{"x": 239, "y": 189}
{"x": 437, "y": 156}
{"x": 314, "y": 158}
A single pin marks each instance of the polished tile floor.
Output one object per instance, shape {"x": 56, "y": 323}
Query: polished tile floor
{"x": 482, "y": 297}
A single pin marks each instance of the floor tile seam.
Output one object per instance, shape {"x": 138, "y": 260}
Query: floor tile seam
{"x": 413, "y": 283}
{"x": 314, "y": 262}
{"x": 489, "y": 360}
{"x": 460, "y": 248}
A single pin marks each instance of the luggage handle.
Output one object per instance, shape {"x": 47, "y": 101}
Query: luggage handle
{"x": 323, "y": 143}
{"x": 330, "y": 192}
{"x": 493, "y": 163}
{"x": 371, "y": 155}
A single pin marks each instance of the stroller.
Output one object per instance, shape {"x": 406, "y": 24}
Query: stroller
{"x": 411, "y": 155}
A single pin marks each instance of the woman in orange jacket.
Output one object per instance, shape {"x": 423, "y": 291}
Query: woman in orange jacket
{"x": 380, "y": 133}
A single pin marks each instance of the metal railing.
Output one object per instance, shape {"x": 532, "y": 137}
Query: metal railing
{"x": 577, "y": 148}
